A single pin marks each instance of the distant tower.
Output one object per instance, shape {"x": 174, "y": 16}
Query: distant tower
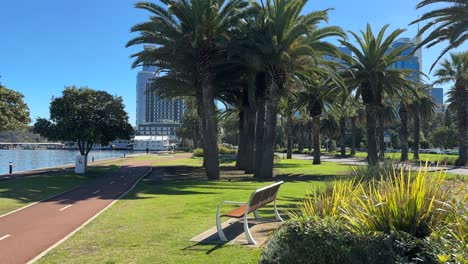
{"x": 154, "y": 115}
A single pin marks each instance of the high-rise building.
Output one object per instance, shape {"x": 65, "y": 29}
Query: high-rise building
{"x": 414, "y": 62}
{"x": 155, "y": 116}
{"x": 438, "y": 95}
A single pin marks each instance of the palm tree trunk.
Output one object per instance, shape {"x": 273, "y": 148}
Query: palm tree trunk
{"x": 211, "y": 128}
{"x": 201, "y": 122}
{"x": 289, "y": 136}
{"x": 353, "y": 136}
{"x": 250, "y": 148}
{"x": 241, "y": 150}
{"x": 381, "y": 132}
{"x": 261, "y": 85}
{"x": 462, "y": 116}
{"x": 301, "y": 138}
{"x": 404, "y": 132}
{"x": 270, "y": 135}
{"x": 343, "y": 136}
{"x": 416, "y": 130}
{"x": 316, "y": 138}
{"x": 371, "y": 113}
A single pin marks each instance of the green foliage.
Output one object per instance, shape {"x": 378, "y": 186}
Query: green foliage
{"x": 444, "y": 137}
{"x": 198, "y": 152}
{"x": 14, "y": 113}
{"x": 20, "y": 136}
{"x": 85, "y": 116}
{"x": 328, "y": 240}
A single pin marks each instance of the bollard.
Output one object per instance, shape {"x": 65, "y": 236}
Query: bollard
{"x": 93, "y": 158}
{"x": 124, "y": 155}
{"x": 11, "y": 167}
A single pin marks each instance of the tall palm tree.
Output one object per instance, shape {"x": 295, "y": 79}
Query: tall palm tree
{"x": 288, "y": 35}
{"x": 456, "y": 70}
{"x": 314, "y": 98}
{"x": 374, "y": 75}
{"x": 420, "y": 109}
{"x": 189, "y": 37}
{"x": 450, "y": 23}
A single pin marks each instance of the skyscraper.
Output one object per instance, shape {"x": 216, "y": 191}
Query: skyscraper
{"x": 413, "y": 62}
{"x": 154, "y": 115}
{"x": 438, "y": 95}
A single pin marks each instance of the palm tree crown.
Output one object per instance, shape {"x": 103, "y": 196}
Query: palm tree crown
{"x": 450, "y": 24}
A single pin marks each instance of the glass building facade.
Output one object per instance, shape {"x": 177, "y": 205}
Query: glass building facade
{"x": 155, "y": 116}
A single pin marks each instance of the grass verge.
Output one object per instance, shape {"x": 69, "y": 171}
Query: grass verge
{"x": 154, "y": 222}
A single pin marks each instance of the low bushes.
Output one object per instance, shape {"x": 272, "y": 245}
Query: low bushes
{"x": 314, "y": 240}
{"x": 421, "y": 211}
{"x": 222, "y": 150}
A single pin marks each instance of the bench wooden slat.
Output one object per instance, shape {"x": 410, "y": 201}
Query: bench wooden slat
{"x": 239, "y": 212}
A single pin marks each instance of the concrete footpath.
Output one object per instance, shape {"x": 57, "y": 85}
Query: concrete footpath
{"x": 27, "y": 234}
{"x": 361, "y": 161}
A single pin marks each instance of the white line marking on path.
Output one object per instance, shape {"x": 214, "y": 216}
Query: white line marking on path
{"x": 65, "y": 207}
{"x": 111, "y": 182}
{"x": 96, "y": 191}
{"x": 5, "y": 236}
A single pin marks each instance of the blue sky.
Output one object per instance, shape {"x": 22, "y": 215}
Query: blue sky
{"x": 48, "y": 44}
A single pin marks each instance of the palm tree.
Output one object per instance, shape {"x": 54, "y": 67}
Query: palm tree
{"x": 374, "y": 76}
{"x": 456, "y": 70}
{"x": 420, "y": 109}
{"x": 188, "y": 37}
{"x": 313, "y": 97}
{"x": 450, "y": 23}
{"x": 287, "y": 35}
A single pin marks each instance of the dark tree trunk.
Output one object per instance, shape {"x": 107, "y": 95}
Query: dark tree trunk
{"x": 243, "y": 134}
{"x": 289, "y": 136}
{"x": 301, "y": 138}
{"x": 316, "y": 139}
{"x": 353, "y": 136}
{"x": 403, "y": 112}
{"x": 201, "y": 122}
{"x": 270, "y": 135}
{"x": 261, "y": 85}
{"x": 371, "y": 114}
{"x": 250, "y": 148}
{"x": 381, "y": 138}
{"x": 211, "y": 129}
{"x": 343, "y": 136}
{"x": 416, "y": 130}
{"x": 462, "y": 116}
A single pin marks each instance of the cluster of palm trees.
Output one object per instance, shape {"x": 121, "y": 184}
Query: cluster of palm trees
{"x": 267, "y": 58}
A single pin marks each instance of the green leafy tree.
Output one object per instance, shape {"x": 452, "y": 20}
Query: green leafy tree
{"x": 86, "y": 117}
{"x": 444, "y": 137}
{"x": 448, "y": 23}
{"x": 455, "y": 71}
{"x": 14, "y": 113}
{"x": 375, "y": 78}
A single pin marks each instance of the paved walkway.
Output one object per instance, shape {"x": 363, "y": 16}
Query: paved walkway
{"x": 27, "y": 233}
{"x": 361, "y": 161}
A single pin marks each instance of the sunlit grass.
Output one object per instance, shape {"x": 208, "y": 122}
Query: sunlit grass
{"x": 154, "y": 223}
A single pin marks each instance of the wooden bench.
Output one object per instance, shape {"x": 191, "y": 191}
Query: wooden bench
{"x": 258, "y": 199}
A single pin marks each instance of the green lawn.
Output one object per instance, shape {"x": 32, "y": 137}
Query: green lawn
{"x": 16, "y": 193}
{"x": 154, "y": 222}
{"x": 440, "y": 158}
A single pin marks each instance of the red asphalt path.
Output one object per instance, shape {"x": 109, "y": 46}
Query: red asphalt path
{"x": 28, "y": 232}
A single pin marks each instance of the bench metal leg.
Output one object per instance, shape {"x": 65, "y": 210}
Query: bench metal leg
{"x": 248, "y": 235}
{"x": 257, "y": 216}
{"x": 277, "y": 215}
{"x": 219, "y": 227}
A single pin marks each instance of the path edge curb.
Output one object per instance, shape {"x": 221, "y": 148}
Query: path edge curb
{"x": 43, "y": 253}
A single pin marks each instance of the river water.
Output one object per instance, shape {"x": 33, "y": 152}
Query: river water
{"x": 24, "y": 159}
